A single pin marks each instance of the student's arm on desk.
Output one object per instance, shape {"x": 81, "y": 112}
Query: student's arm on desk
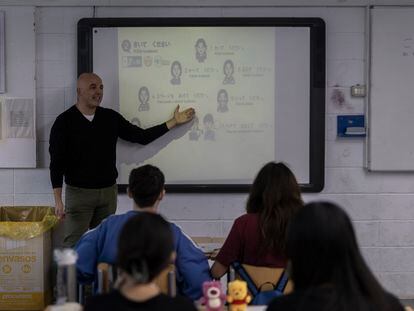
{"x": 218, "y": 270}
{"x": 211, "y": 247}
{"x": 229, "y": 252}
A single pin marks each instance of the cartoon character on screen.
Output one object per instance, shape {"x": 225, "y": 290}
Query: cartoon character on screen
{"x": 143, "y": 97}
{"x": 213, "y": 296}
{"x": 176, "y": 73}
{"x": 222, "y": 101}
{"x": 228, "y": 70}
{"x": 195, "y": 132}
{"x": 208, "y": 122}
{"x": 237, "y": 297}
{"x": 201, "y": 50}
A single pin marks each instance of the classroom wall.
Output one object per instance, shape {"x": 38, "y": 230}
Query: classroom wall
{"x": 19, "y": 80}
{"x": 381, "y": 205}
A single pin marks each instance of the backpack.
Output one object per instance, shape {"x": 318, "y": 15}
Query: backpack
{"x": 260, "y": 297}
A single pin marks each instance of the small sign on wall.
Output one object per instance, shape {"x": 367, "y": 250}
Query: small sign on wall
{"x": 351, "y": 126}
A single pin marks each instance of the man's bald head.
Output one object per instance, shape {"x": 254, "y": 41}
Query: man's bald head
{"x": 90, "y": 91}
{"x": 87, "y": 77}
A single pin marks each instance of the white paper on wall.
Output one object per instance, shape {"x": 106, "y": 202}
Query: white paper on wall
{"x": 17, "y": 132}
{"x": 20, "y": 118}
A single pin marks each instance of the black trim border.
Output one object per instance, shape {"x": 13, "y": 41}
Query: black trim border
{"x": 317, "y": 83}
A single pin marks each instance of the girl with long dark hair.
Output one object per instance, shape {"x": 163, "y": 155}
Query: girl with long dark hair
{"x": 326, "y": 266}
{"x": 259, "y": 237}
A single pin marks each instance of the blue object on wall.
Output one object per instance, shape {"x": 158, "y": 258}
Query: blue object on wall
{"x": 351, "y": 126}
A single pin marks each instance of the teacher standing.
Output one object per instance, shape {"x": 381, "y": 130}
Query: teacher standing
{"x": 82, "y": 148}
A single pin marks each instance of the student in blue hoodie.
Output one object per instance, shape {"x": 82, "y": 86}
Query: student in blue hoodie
{"x": 139, "y": 263}
{"x": 146, "y": 188}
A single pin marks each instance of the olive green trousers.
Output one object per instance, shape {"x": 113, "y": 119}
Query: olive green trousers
{"x": 85, "y": 209}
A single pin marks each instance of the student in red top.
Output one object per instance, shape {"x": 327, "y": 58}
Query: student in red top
{"x": 259, "y": 236}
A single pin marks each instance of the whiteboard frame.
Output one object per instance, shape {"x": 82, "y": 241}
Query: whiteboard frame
{"x": 317, "y": 83}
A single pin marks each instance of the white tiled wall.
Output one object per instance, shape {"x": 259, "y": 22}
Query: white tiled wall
{"x": 381, "y": 205}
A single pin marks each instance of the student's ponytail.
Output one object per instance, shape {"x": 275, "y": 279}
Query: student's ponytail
{"x": 139, "y": 271}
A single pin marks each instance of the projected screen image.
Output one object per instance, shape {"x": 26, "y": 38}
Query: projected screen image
{"x": 250, "y": 88}
{"x": 227, "y": 76}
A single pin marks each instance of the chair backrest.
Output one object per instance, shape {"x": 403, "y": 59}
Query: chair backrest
{"x": 166, "y": 281}
{"x": 263, "y": 276}
{"x": 107, "y": 277}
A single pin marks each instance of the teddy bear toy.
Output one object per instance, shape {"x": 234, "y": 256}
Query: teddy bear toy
{"x": 213, "y": 297}
{"x": 238, "y": 297}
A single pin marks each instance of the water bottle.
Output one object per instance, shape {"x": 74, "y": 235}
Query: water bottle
{"x": 66, "y": 275}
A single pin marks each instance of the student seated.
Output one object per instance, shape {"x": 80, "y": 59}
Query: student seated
{"x": 140, "y": 261}
{"x": 326, "y": 266}
{"x": 146, "y": 187}
{"x": 258, "y": 237}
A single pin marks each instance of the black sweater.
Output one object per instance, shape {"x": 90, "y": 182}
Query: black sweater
{"x": 85, "y": 151}
{"x": 326, "y": 299}
{"x": 116, "y": 301}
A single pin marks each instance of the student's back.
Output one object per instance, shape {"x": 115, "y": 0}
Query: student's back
{"x": 258, "y": 237}
{"x": 145, "y": 249}
{"x": 327, "y": 267}
{"x": 116, "y": 301}
{"x": 146, "y": 187}
{"x": 101, "y": 245}
{"x": 323, "y": 299}
{"x": 244, "y": 245}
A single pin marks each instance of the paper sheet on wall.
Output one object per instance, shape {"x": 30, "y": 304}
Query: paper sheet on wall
{"x": 20, "y": 118}
{"x": 17, "y": 132}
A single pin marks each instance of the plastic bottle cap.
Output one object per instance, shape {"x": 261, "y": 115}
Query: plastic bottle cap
{"x": 65, "y": 257}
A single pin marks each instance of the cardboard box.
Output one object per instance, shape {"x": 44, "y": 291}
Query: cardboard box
{"x": 25, "y": 257}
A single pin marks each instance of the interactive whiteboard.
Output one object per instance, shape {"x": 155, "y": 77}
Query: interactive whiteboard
{"x": 257, "y": 86}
